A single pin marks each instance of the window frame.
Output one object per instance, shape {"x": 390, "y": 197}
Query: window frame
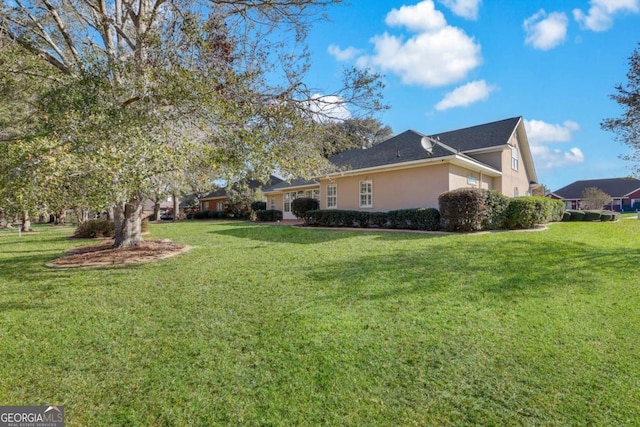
{"x": 365, "y": 185}
{"x": 514, "y": 158}
{"x": 332, "y": 188}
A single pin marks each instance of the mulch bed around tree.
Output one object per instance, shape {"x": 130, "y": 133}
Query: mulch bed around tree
{"x": 102, "y": 254}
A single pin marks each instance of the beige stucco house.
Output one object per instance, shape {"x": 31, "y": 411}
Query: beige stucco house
{"x": 404, "y": 172}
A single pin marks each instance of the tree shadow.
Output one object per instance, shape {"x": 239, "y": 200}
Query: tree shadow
{"x": 311, "y": 235}
{"x": 476, "y": 269}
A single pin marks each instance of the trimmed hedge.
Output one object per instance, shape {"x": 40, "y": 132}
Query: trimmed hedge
{"x": 592, "y": 216}
{"x": 525, "y": 212}
{"x": 603, "y": 215}
{"x": 95, "y": 228}
{"x": 497, "y": 204}
{"x": 269, "y": 215}
{"x": 463, "y": 209}
{"x": 301, "y": 205}
{"x": 413, "y": 219}
{"x": 258, "y": 206}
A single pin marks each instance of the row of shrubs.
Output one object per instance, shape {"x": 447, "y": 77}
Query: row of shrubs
{"x": 215, "y": 215}
{"x": 464, "y": 210}
{"x": 472, "y": 209}
{"x": 573, "y": 215}
{"x": 412, "y": 219}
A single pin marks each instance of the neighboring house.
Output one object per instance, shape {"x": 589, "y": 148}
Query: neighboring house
{"x": 216, "y": 200}
{"x": 625, "y": 192}
{"x": 402, "y": 172}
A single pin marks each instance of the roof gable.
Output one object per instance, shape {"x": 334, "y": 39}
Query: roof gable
{"x": 406, "y": 147}
{"x": 615, "y": 187}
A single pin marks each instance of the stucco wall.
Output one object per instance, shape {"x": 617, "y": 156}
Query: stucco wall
{"x": 512, "y": 179}
{"x": 397, "y": 189}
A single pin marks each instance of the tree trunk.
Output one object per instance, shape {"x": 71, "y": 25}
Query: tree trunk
{"x": 4, "y": 223}
{"x": 128, "y": 223}
{"x": 156, "y": 209}
{"x": 61, "y": 217}
{"x": 176, "y": 206}
{"x": 26, "y": 222}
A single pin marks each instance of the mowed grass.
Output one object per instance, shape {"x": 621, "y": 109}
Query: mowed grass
{"x": 272, "y": 325}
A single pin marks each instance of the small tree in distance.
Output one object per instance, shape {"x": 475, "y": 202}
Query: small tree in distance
{"x": 594, "y": 198}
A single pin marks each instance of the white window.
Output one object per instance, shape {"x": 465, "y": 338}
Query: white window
{"x": 514, "y": 158}
{"x": 516, "y": 193}
{"x": 471, "y": 180}
{"x": 366, "y": 194}
{"x": 314, "y": 194}
{"x": 219, "y": 207}
{"x": 288, "y": 198}
{"x": 206, "y": 206}
{"x": 272, "y": 203}
{"x": 332, "y": 196}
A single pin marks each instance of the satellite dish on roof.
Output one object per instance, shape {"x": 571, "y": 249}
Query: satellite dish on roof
{"x": 428, "y": 143}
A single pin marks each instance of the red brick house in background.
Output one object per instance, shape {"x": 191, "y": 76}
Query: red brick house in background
{"x": 625, "y": 193}
{"x": 216, "y": 200}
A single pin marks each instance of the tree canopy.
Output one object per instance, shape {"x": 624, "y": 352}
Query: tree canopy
{"x": 127, "y": 93}
{"x": 627, "y": 127}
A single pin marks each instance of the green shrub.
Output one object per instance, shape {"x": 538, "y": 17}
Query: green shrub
{"x": 577, "y": 215}
{"x": 269, "y": 215}
{"x": 606, "y": 216}
{"x": 496, "y": 203}
{"x": 592, "y": 216}
{"x": 463, "y": 209}
{"x": 258, "y": 206}
{"x": 557, "y": 209}
{"x": 413, "y": 219}
{"x": 566, "y": 216}
{"x": 95, "y": 228}
{"x": 301, "y": 205}
{"x": 524, "y": 212}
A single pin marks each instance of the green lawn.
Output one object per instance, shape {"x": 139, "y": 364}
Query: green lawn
{"x": 268, "y": 325}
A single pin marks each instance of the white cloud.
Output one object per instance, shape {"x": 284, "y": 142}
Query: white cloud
{"x": 541, "y": 133}
{"x": 328, "y": 108}
{"x": 343, "y": 54}
{"x": 420, "y": 17}
{"x": 466, "y": 95}
{"x": 467, "y": 9}
{"x": 544, "y": 31}
{"x": 438, "y": 54}
{"x": 601, "y": 13}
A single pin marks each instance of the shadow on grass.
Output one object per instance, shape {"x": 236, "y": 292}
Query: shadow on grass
{"x": 479, "y": 269}
{"x": 311, "y": 235}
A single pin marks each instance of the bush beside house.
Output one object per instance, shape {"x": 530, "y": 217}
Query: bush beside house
{"x": 412, "y": 219}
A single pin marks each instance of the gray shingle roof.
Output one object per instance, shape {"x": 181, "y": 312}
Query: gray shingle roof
{"x": 252, "y": 183}
{"x": 615, "y": 187}
{"x": 406, "y": 146}
{"x": 298, "y": 182}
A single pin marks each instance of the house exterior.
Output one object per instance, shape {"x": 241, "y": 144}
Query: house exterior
{"x": 625, "y": 192}
{"x": 402, "y": 172}
{"x": 216, "y": 200}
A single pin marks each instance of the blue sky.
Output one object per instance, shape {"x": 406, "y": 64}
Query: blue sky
{"x": 450, "y": 64}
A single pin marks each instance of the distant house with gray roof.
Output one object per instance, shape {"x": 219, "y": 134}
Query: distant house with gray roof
{"x": 624, "y": 192}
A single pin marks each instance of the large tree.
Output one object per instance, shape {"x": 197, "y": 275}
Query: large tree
{"x": 594, "y": 198}
{"x": 356, "y": 132}
{"x": 627, "y": 127}
{"x": 145, "y": 88}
